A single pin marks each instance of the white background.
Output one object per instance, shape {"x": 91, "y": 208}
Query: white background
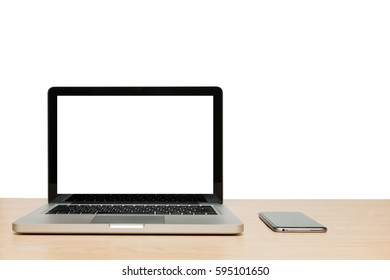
{"x": 113, "y": 269}
{"x": 306, "y": 84}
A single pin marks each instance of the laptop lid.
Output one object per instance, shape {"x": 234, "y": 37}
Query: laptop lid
{"x": 135, "y": 144}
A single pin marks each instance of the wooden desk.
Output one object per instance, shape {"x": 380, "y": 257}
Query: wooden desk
{"x": 357, "y": 229}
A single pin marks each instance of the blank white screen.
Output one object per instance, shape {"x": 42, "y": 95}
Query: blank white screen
{"x": 135, "y": 144}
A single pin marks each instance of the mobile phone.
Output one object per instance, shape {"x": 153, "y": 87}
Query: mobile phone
{"x": 290, "y": 222}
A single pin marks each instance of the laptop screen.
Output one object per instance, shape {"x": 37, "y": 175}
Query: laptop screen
{"x": 134, "y": 144}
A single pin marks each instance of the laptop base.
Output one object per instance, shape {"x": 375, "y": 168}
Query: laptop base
{"x": 38, "y": 222}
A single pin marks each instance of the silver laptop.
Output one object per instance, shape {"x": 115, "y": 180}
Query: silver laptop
{"x": 133, "y": 160}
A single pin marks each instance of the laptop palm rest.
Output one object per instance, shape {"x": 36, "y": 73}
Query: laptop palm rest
{"x": 128, "y": 220}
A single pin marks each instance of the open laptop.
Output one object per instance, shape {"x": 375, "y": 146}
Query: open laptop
{"x": 124, "y": 160}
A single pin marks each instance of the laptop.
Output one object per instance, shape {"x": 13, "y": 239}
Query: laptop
{"x": 133, "y": 160}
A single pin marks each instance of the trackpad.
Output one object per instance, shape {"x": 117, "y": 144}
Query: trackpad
{"x": 128, "y": 220}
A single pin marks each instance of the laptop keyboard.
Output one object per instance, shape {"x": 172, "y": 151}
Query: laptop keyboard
{"x": 134, "y": 209}
{"x": 136, "y": 199}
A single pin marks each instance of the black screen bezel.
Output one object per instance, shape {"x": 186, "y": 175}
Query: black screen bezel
{"x": 216, "y": 92}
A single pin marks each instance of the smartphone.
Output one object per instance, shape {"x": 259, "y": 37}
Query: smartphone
{"x": 290, "y": 222}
